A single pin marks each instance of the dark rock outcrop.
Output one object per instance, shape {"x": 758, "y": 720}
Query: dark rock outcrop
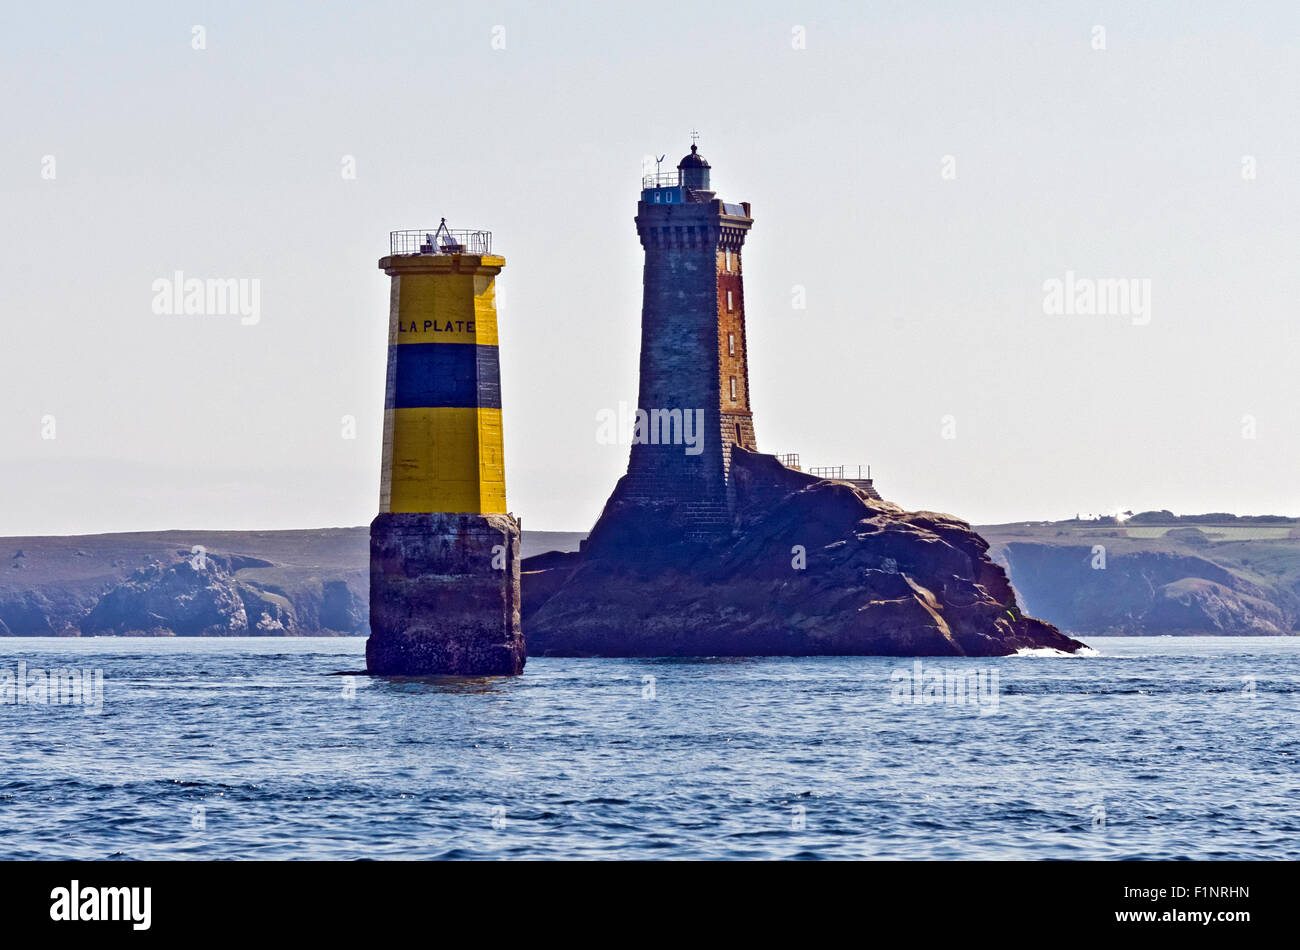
{"x": 1151, "y": 584}
{"x": 812, "y": 568}
{"x": 191, "y": 598}
{"x": 309, "y": 582}
{"x": 267, "y": 614}
{"x": 341, "y": 609}
{"x": 31, "y": 613}
{"x": 207, "y": 597}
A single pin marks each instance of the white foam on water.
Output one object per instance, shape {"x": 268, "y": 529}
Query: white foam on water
{"x": 1053, "y": 652}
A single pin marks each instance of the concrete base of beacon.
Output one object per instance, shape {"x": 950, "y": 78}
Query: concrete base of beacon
{"x": 444, "y": 596}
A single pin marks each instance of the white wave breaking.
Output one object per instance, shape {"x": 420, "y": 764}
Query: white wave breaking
{"x": 1053, "y": 652}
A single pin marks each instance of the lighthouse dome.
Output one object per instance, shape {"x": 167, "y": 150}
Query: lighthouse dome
{"x": 693, "y": 160}
{"x": 694, "y": 170}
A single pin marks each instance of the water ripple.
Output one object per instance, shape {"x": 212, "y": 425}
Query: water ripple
{"x": 1157, "y": 748}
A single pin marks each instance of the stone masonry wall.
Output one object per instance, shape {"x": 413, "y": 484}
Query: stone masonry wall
{"x": 444, "y": 595}
{"x": 679, "y": 355}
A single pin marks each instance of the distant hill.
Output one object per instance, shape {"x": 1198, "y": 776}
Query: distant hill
{"x": 1157, "y": 573}
{"x": 1162, "y": 574}
{"x": 247, "y": 583}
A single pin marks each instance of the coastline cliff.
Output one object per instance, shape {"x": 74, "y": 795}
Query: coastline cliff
{"x": 1164, "y": 575}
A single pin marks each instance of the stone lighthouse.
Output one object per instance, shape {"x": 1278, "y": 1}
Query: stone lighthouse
{"x": 693, "y": 403}
{"x": 444, "y": 551}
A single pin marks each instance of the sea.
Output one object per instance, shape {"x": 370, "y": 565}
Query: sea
{"x": 171, "y": 748}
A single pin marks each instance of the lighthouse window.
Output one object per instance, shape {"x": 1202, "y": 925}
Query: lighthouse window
{"x": 727, "y": 258}
{"x": 731, "y": 344}
{"x": 739, "y": 440}
{"x": 729, "y": 304}
{"x": 733, "y": 389}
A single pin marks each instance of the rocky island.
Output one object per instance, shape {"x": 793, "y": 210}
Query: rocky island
{"x": 812, "y": 568}
{"x": 1164, "y": 574}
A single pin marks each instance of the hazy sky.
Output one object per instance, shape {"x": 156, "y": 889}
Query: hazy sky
{"x": 924, "y": 292}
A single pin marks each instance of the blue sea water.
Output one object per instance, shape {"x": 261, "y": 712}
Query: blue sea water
{"x": 241, "y": 748}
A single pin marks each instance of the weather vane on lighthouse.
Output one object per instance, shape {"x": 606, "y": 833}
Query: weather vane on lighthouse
{"x": 695, "y": 136}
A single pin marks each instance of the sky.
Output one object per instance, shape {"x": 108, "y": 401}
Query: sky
{"x": 920, "y": 175}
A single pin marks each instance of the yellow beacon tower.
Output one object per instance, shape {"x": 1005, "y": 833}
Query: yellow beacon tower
{"x": 444, "y": 551}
